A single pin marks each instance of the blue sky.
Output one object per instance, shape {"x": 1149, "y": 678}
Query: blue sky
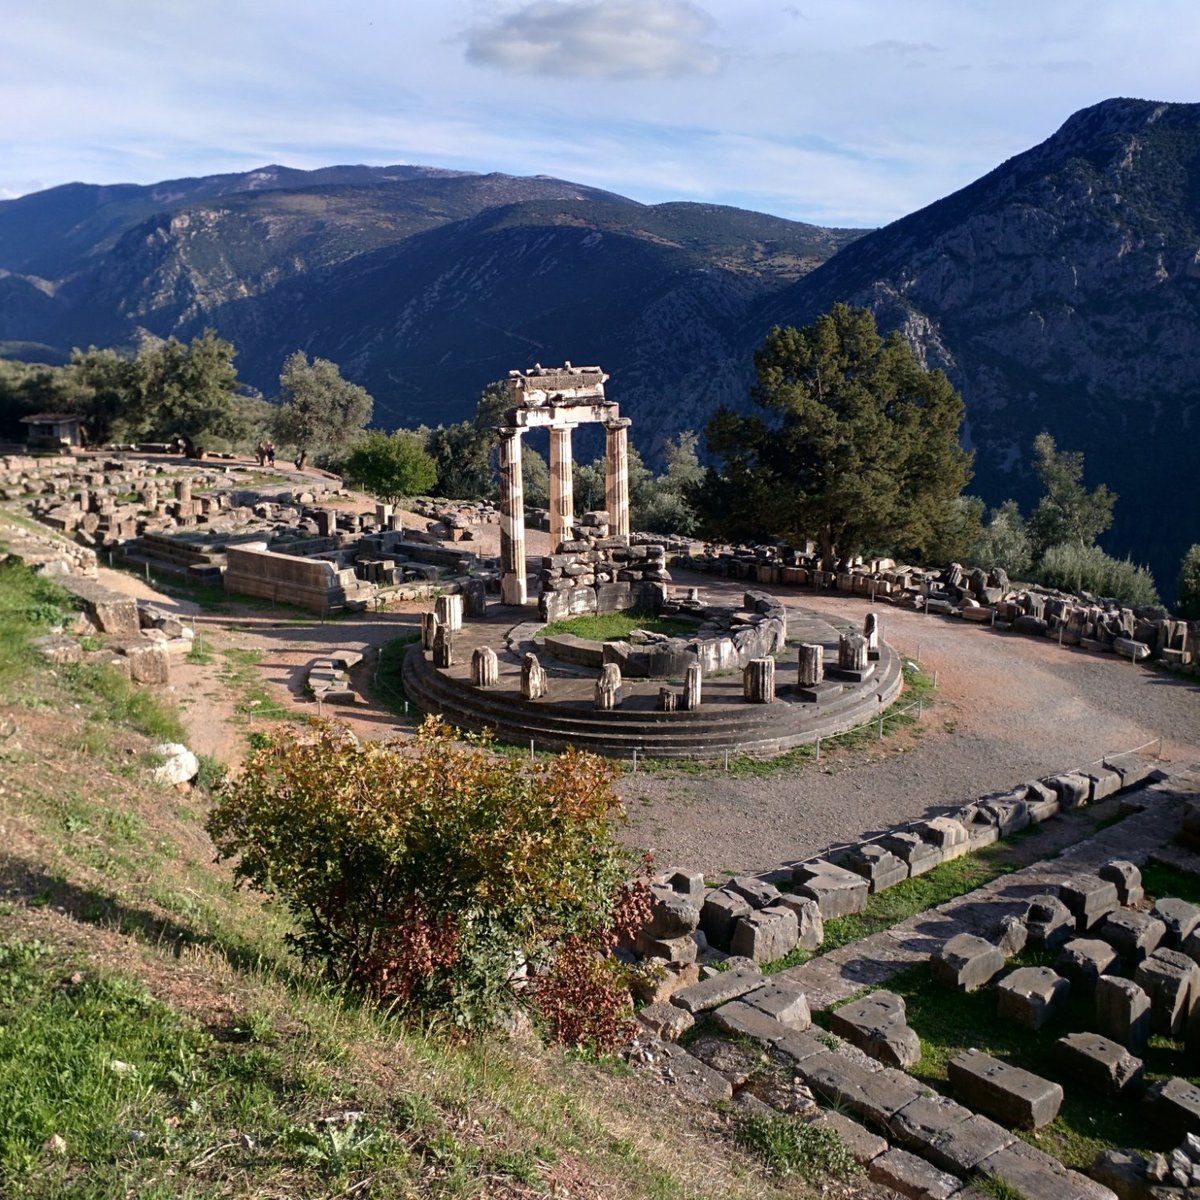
{"x": 852, "y": 112}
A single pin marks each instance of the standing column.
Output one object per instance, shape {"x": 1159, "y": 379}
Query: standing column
{"x": 616, "y": 476}
{"x": 512, "y": 519}
{"x": 562, "y": 486}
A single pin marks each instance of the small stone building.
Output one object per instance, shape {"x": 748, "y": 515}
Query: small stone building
{"x": 53, "y": 430}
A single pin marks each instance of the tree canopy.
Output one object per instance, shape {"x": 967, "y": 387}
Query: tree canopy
{"x": 320, "y": 411}
{"x": 856, "y": 445}
{"x": 1067, "y": 514}
{"x": 391, "y": 465}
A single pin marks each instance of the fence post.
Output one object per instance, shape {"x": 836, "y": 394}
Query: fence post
{"x": 818, "y": 747}
{"x": 635, "y": 760}
{"x": 881, "y": 727}
{"x": 531, "y": 749}
{"x": 726, "y": 760}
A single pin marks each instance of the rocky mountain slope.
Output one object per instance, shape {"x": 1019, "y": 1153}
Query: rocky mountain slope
{"x": 1060, "y": 292}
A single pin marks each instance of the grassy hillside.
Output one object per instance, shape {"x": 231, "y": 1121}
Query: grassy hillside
{"x": 158, "y": 1039}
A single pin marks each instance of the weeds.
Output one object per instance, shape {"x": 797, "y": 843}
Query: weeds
{"x": 791, "y": 1147}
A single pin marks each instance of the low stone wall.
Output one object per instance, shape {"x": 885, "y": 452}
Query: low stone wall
{"x": 313, "y": 584}
{"x": 983, "y": 597}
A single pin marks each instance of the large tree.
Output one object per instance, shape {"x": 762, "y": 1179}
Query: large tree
{"x": 320, "y": 411}
{"x": 187, "y": 391}
{"x": 856, "y": 444}
{"x": 391, "y": 466}
{"x": 1067, "y": 514}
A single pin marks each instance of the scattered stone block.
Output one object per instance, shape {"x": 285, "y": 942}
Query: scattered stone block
{"x": 1084, "y": 960}
{"x": 754, "y": 891}
{"x": 720, "y": 989}
{"x": 1035, "y": 1175}
{"x": 876, "y": 1025}
{"x": 810, "y": 928}
{"x": 838, "y": 892}
{"x": 1011, "y": 936}
{"x": 1105, "y": 783}
{"x": 966, "y": 962}
{"x": 783, "y": 1000}
{"x": 719, "y": 913}
{"x": 948, "y": 835}
{"x": 1133, "y": 935}
{"x": 737, "y": 1017}
{"x": 1089, "y": 898}
{"x": 688, "y": 884}
{"x": 149, "y": 662}
{"x": 665, "y": 1020}
{"x": 860, "y": 1141}
{"x": 693, "y": 1080}
{"x": 799, "y": 1047}
{"x": 963, "y": 1147}
{"x": 1012, "y": 1095}
{"x": 1074, "y": 789}
{"x": 874, "y": 1095}
{"x": 1126, "y": 877}
{"x": 671, "y": 915}
{"x": 1049, "y": 922}
{"x": 1124, "y": 1171}
{"x": 878, "y": 866}
{"x": 911, "y": 1176}
{"x": 1098, "y": 1063}
{"x": 656, "y": 980}
{"x": 1123, "y": 1012}
{"x": 926, "y": 1118}
{"x": 1030, "y": 996}
{"x": 916, "y": 853}
{"x": 765, "y": 935}
{"x": 684, "y": 949}
{"x": 1172, "y": 981}
{"x": 1177, "y": 1103}
{"x": 1179, "y": 917}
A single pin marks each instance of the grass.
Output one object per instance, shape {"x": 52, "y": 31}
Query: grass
{"x": 158, "y": 1038}
{"x": 240, "y": 673}
{"x": 791, "y": 1147}
{"x": 389, "y": 680}
{"x": 616, "y": 627}
{"x": 29, "y": 605}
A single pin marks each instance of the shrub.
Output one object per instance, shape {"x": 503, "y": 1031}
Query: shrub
{"x": 1188, "y": 587}
{"x": 427, "y": 875}
{"x": 1003, "y": 542}
{"x": 1088, "y": 569}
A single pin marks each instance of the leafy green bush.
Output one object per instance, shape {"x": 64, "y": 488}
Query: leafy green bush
{"x": 1003, "y": 542}
{"x": 429, "y": 876}
{"x": 1076, "y": 568}
{"x": 1188, "y": 588}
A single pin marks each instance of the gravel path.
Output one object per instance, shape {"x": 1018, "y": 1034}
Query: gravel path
{"x": 1008, "y": 708}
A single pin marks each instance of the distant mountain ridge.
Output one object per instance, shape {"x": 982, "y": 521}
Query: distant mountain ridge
{"x": 1060, "y": 291}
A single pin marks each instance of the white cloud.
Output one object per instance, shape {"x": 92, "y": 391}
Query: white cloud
{"x": 617, "y": 39}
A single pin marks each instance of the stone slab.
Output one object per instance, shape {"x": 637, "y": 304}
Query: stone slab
{"x": 720, "y": 989}
{"x": 1015, "y": 1096}
{"x": 911, "y": 1176}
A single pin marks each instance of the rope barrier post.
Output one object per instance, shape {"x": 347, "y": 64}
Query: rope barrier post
{"x": 635, "y": 760}
{"x": 818, "y": 747}
{"x": 531, "y": 752}
{"x": 881, "y": 727}
{"x": 726, "y": 760}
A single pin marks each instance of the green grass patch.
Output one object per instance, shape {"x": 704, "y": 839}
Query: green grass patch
{"x": 254, "y": 701}
{"x": 388, "y": 680}
{"x": 111, "y": 698}
{"x": 616, "y": 627}
{"x": 201, "y": 653}
{"x": 1160, "y": 881}
{"x": 29, "y": 605}
{"x": 791, "y": 1147}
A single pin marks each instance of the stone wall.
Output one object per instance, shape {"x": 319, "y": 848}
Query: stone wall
{"x": 983, "y": 597}
{"x": 313, "y": 584}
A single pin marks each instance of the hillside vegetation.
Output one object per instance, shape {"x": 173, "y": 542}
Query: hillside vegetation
{"x": 159, "y": 1039}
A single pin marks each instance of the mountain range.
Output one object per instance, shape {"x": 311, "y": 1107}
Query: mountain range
{"x": 1061, "y": 291}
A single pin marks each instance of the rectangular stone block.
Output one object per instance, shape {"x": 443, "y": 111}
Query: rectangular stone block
{"x": 861, "y": 1142}
{"x": 875, "y": 1096}
{"x": 1089, "y": 899}
{"x": 962, "y": 1148}
{"x": 1014, "y": 1096}
{"x": 838, "y": 892}
{"x": 720, "y": 989}
{"x": 738, "y": 1017}
{"x": 966, "y": 962}
{"x": 718, "y": 914}
{"x": 877, "y": 865}
{"x": 783, "y": 1000}
{"x": 1123, "y": 1012}
{"x": 911, "y": 1176}
{"x": 765, "y": 935}
{"x": 1100, "y": 1064}
{"x": 666, "y": 1020}
{"x": 1172, "y": 981}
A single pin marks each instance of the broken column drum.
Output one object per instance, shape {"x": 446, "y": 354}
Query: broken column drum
{"x": 533, "y": 678}
{"x": 871, "y": 632}
{"x": 608, "y": 687}
{"x": 758, "y": 681}
{"x": 429, "y": 627}
{"x": 449, "y": 611}
{"x": 811, "y": 665}
{"x": 475, "y": 598}
{"x": 852, "y": 652}
{"x": 443, "y": 648}
{"x": 692, "y": 685}
{"x": 485, "y": 667}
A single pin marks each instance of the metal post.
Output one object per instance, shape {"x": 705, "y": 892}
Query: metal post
{"x": 726, "y": 760}
{"x": 635, "y": 760}
{"x": 1060, "y": 633}
{"x": 147, "y": 572}
{"x": 919, "y": 708}
{"x": 818, "y": 747}
{"x": 320, "y": 707}
{"x": 531, "y": 749}
{"x": 935, "y": 680}
{"x": 881, "y": 727}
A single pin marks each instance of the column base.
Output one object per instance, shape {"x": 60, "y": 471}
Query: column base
{"x": 513, "y": 589}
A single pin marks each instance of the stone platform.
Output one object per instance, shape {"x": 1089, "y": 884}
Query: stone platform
{"x": 567, "y": 715}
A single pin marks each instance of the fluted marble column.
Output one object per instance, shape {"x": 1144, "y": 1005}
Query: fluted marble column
{"x": 616, "y": 475}
{"x": 512, "y": 519}
{"x": 562, "y": 486}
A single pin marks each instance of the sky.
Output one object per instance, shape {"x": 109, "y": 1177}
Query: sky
{"x": 842, "y": 112}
